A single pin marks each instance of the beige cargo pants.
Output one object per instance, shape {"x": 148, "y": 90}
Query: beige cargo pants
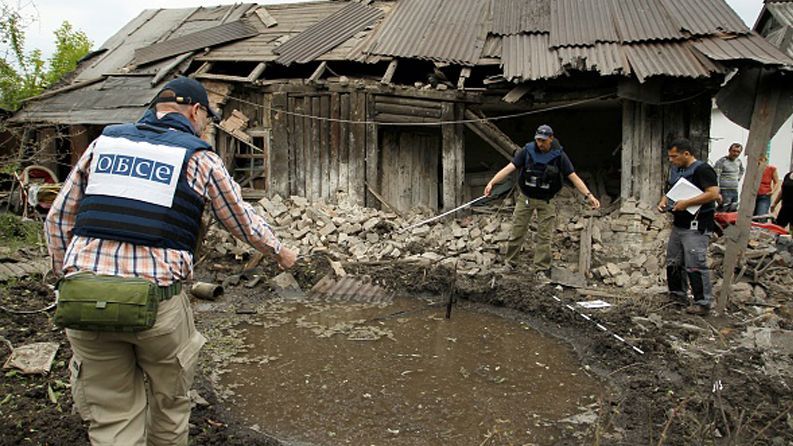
{"x": 107, "y": 372}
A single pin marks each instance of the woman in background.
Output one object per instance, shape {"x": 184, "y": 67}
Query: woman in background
{"x": 768, "y": 185}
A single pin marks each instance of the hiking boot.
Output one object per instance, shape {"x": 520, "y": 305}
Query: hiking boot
{"x": 698, "y": 310}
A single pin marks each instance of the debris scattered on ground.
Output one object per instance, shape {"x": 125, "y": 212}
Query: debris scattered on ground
{"x": 35, "y": 358}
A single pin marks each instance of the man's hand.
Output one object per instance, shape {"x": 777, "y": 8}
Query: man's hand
{"x": 594, "y": 202}
{"x": 680, "y": 205}
{"x": 662, "y": 204}
{"x": 488, "y": 189}
{"x": 286, "y": 258}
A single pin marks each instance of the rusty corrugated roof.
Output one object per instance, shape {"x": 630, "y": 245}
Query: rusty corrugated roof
{"x": 675, "y": 59}
{"x": 704, "y": 17}
{"x": 441, "y": 30}
{"x": 207, "y": 38}
{"x": 604, "y": 58}
{"x": 748, "y": 47}
{"x": 328, "y": 33}
{"x": 518, "y": 16}
{"x": 528, "y": 57}
{"x": 643, "y": 21}
{"x": 581, "y": 22}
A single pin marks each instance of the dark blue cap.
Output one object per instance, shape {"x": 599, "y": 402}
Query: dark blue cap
{"x": 543, "y": 132}
{"x": 187, "y": 91}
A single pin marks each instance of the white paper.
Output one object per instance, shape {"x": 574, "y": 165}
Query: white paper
{"x": 683, "y": 190}
{"x": 594, "y": 304}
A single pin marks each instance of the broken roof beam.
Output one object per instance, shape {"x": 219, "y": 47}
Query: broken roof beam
{"x": 491, "y": 134}
{"x": 389, "y": 73}
{"x": 164, "y": 71}
{"x": 318, "y": 73}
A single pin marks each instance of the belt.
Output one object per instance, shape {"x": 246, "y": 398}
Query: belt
{"x": 167, "y": 292}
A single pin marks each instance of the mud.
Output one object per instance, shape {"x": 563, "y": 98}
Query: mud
{"x": 700, "y": 381}
{"x": 344, "y": 373}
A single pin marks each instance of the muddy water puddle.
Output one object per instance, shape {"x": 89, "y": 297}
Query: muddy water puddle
{"x": 400, "y": 373}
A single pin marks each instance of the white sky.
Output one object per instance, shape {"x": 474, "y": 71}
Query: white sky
{"x": 100, "y": 19}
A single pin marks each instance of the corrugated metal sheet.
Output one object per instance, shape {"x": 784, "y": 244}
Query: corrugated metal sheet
{"x": 492, "y": 46}
{"x": 581, "y": 22}
{"x": 783, "y": 12}
{"x": 142, "y": 31}
{"x": 675, "y": 59}
{"x": 749, "y": 47}
{"x": 292, "y": 19}
{"x": 779, "y": 37}
{"x": 703, "y": 17}
{"x": 604, "y": 58}
{"x": 207, "y": 38}
{"x": 442, "y": 30}
{"x": 350, "y": 289}
{"x": 117, "y": 99}
{"x": 528, "y": 57}
{"x": 518, "y": 16}
{"x": 643, "y": 20}
{"x": 327, "y": 34}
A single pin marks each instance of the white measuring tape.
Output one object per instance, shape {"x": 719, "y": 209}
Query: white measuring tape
{"x": 600, "y": 326}
{"x": 430, "y": 220}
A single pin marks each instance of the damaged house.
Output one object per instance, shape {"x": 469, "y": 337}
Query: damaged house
{"x": 416, "y": 103}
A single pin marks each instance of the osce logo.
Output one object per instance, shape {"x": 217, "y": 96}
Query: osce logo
{"x": 130, "y": 166}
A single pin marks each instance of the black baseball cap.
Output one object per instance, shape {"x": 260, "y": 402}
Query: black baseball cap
{"x": 543, "y": 132}
{"x": 187, "y": 91}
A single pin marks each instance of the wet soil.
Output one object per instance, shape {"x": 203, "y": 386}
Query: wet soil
{"x": 697, "y": 383}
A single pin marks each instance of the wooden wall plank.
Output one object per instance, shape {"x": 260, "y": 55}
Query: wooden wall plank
{"x": 335, "y": 136}
{"x": 372, "y": 153}
{"x": 280, "y": 163}
{"x": 315, "y": 153}
{"x": 357, "y": 149}
{"x": 453, "y": 157}
{"x": 344, "y": 144}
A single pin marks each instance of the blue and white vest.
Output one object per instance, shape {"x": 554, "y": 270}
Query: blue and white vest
{"x": 137, "y": 191}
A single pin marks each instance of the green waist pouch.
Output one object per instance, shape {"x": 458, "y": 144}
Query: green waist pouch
{"x": 109, "y": 303}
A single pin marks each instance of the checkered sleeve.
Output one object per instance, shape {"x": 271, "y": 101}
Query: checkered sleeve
{"x": 225, "y": 196}
{"x": 60, "y": 220}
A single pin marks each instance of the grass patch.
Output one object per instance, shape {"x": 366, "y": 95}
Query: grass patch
{"x": 16, "y": 233}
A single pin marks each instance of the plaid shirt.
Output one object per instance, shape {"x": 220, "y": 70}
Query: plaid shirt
{"x": 205, "y": 174}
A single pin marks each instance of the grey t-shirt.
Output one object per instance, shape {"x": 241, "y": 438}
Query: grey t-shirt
{"x": 728, "y": 172}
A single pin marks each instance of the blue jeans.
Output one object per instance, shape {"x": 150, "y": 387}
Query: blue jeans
{"x": 763, "y": 205}
{"x": 729, "y": 200}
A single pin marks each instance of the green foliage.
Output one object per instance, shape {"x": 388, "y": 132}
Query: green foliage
{"x": 15, "y": 232}
{"x": 25, "y": 74}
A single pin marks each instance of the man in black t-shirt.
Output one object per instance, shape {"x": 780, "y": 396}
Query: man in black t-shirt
{"x": 542, "y": 166}
{"x": 686, "y": 252}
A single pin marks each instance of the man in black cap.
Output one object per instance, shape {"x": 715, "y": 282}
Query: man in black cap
{"x": 123, "y": 230}
{"x": 542, "y": 166}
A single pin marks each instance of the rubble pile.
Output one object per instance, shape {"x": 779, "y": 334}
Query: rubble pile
{"x": 628, "y": 240}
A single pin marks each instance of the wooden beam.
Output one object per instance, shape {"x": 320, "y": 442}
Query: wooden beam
{"x": 491, "y": 134}
{"x": 760, "y": 132}
{"x": 372, "y": 151}
{"x": 389, "y": 73}
{"x": 585, "y": 252}
{"x": 267, "y": 19}
{"x": 256, "y": 72}
{"x": 279, "y": 146}
{"x": 318, "y": 73}
{"x": 452, "y": 158}
{"x": 164, "y": 71}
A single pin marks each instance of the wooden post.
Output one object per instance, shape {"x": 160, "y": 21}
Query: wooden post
{"x": 585, "y": 253}
{"x": 626, "y": 186}
{"x": 452, "y": 157}
{"x": 763, "y": 117}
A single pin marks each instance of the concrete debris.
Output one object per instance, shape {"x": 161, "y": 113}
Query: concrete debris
{"x": 628, "y": 242}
